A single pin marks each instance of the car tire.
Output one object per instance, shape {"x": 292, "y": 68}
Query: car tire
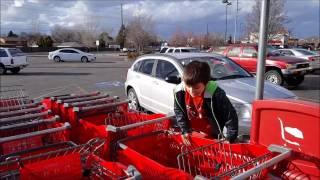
{"x": 2, "y": 69}
{"x": 84, "y": 59}
{"x": 274, "y": 76}
{"x": 134, "y": 102}
{"x": 57, "y": 59}
{"x": 294, "y": 81}
{"x": 15, "y": 70}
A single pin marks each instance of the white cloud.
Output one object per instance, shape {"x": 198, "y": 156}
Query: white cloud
{"x": 18, "y": 3}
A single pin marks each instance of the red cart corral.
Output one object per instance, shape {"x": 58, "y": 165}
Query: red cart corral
{"x": 294, "y": 124}
{"x": 163, "y": 155}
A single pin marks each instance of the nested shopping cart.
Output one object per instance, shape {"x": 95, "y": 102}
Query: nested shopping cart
{"x": 162, "y": 154}
{"x": 31, "y": 131}
{"x": 13, "y": 96}
{"x": 78, "y": 162}
{"x": 118, "y": 125}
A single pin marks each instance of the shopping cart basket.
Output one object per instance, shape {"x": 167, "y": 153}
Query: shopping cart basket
{"x": 67, "y": 112}
{"x": 79, "y": 162}
{"x": 19, "y": 137}
{"x": 161, "y": 152}
{"x": 13, "y": 96}
{"x": 117, "y": 126}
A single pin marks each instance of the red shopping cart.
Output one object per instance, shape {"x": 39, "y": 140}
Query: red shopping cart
{"x": 117, "y": 126}
{"x": 78, "y": 162}
{"x": 163, "y": 155}
{"x": 13, "y": 96}
{"x": 33, "y": 134}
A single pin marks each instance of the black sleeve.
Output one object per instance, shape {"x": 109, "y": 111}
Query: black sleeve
{"x": 181, "y": 117}
{"x": 227, "y": 114}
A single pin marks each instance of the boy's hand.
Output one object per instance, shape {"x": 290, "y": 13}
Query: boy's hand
{"x": 186, "y": 139}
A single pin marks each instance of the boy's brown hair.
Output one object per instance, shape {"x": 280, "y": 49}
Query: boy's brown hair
{"x": 196, "y": 72}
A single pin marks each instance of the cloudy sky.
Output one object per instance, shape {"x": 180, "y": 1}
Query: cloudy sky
{"x": 168, "y": 15}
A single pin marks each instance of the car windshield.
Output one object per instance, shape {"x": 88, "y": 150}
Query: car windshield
{"x": 306, "y": 52}
{"x": 221, "y": 67}
{"x": 16, "y": 52}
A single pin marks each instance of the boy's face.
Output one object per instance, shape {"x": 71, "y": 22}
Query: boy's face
{"x": 196, "y": 90}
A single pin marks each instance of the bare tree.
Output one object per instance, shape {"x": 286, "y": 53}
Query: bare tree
{"x": 140, "y": 32}
{"x": 277, "y": 18}
{"x": 178, "y": 39}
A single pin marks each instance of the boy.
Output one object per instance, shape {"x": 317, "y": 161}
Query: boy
{"x": 200, "y": 105}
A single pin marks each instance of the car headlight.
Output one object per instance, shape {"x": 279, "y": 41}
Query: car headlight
{"x": 291, "y": 66}
{"x": 243, "y": 111}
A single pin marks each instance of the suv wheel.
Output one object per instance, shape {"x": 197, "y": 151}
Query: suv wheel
{"x": 15, "y": 70}
{"x": 134, "y": 102}
{"x": 2, "y": 69}
{"x": 274, "y": 77}
{"x": 57, "y": 59}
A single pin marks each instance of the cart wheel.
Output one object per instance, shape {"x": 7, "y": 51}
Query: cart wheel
{"x": 15, "y": 70}
{"x": 134, "y": 102}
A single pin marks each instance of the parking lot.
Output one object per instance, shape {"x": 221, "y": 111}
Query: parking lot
{"x": 107, "y": 74}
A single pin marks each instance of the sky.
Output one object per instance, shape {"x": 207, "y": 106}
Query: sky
{"x": 168, "y": 15}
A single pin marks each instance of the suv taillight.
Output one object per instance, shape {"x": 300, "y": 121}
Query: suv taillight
{"x": 12, "y": 61}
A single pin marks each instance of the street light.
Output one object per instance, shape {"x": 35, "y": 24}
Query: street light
{"x": 227, "y": 4}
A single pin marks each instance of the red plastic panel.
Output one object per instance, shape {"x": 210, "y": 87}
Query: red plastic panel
{"x": 291, "y": 123}
{"x": 294, "y": 124}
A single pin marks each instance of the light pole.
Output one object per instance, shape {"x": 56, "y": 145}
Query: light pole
{"x": 227, "y": 4}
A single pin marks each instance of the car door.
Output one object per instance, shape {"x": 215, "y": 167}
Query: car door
{"x": 74, "y": 55}
{"x": 144, "y": 84}
{"x": 162, "y": 90}
{"x": 248, "y": 58}
{"x": 64, "y": 54}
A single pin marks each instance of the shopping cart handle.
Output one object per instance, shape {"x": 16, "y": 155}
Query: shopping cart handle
{"x": 30, "y": 124}
{"x": 79, "y": 96}
{"x": 133, "y": 173}
{"x": 284, "y": 153}
{"x": 18, "y": 107}
{"x": 76, "y": 104}
{"x": 65, "y": 126}
{"x": 100, "y": 106}
{"x": 138, "y": 124}
{"x": 17, "y": 112}
{"x": 82, "y": 99}
{"x": 23, "y": 117}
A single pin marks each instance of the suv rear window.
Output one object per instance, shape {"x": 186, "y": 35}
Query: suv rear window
{"x": 16, "y": 52}
{"x": 3, "y": 53}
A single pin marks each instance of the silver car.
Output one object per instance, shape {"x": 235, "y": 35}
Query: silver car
{"x": 152, "y": 78}
{"x": 313, "y": 57}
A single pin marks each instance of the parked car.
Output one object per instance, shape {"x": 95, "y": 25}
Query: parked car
{"x": 152, "y": 78}
{"x": 70, "y": 54}
{"x": 279, "y": 69}
{"x": 312, "y": 57}
{"x": 12, "y": 59}
{"x": 179, "y": 50}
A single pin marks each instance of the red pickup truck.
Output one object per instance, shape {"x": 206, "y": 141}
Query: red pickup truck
{"x": 279, "y": 69}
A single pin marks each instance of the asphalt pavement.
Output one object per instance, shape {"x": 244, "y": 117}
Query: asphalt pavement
{"x": 107, "y": 74}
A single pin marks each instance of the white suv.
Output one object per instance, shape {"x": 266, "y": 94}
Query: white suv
{"x": 178, "y": 50}
{"x": 151, "y": 81}
{"x": 12, "y": 59}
